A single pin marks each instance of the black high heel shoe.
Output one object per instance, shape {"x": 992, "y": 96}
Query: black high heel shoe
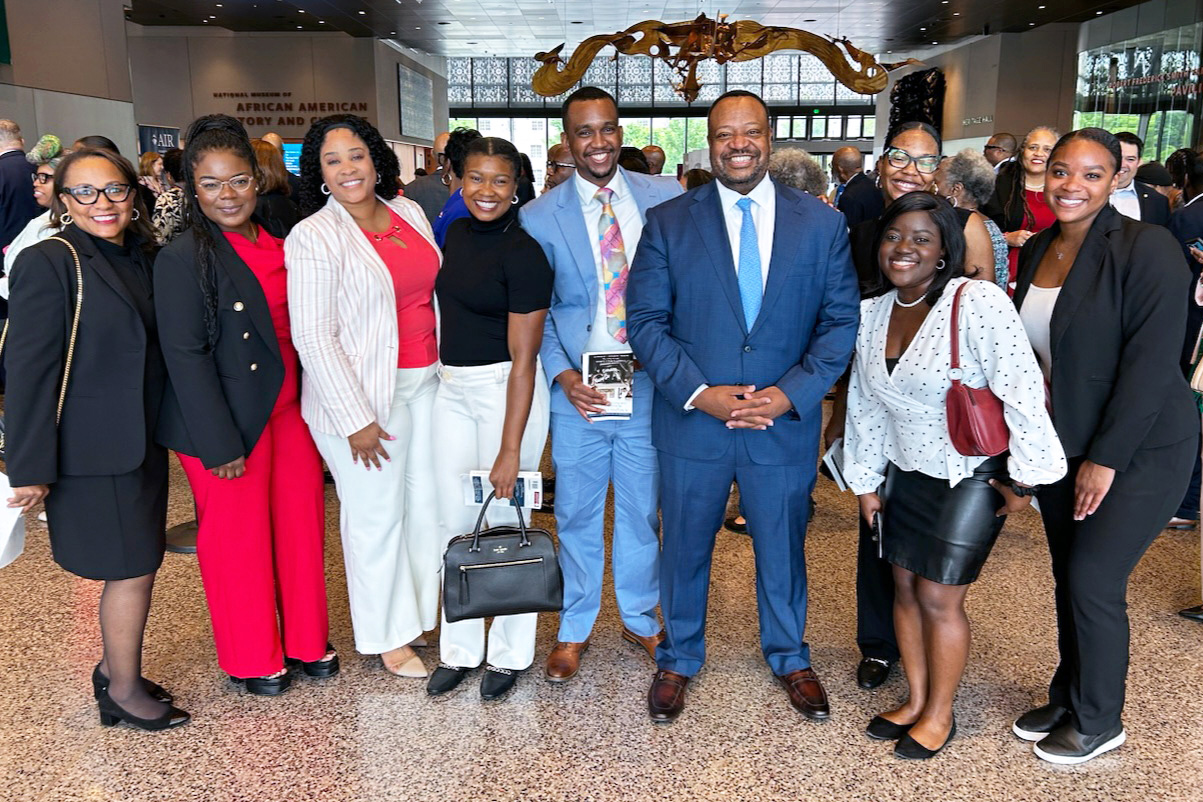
{"x": 100, "y": 684}
{"x": 112, "y": 714}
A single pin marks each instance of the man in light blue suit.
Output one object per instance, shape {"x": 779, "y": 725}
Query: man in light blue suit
{"x": 743, "y": 308}
{"x": 589, "y": 227}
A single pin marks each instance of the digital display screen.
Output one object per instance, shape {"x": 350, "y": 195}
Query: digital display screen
{"x": 292, "y": 157}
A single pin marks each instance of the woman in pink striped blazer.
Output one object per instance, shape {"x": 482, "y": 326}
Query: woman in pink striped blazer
{"x": 361, "y": 271}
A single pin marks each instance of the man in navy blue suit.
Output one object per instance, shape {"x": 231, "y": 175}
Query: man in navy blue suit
{"x": 743, "y": 307}
{"x": 17, "y": 206}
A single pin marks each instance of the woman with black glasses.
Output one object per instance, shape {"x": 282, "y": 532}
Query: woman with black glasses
{"x": 81, "y": 438}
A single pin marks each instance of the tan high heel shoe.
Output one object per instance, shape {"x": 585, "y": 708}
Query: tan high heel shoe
{"x": 404, "y": 663}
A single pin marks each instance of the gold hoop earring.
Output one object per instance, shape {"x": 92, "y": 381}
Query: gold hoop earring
{"x": 66, "y": 219}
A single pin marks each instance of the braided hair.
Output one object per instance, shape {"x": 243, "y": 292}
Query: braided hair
{"x": 384, "y": 160}
{"x": 206, "y": 134}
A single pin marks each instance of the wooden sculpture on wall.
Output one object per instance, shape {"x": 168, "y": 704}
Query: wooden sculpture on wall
{"x": 683, "y": 45}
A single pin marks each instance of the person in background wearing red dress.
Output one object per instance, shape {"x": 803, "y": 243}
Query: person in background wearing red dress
{"x": 232, "y": 412}
{"x": 1018, "y": 206}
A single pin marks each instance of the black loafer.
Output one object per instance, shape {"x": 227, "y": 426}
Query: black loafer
{"x": 266, "y": 686}
{"x": 882, "y": 729}
{"x": 1039, "y": 722}
{"x": 445, "y": 679}
{"x": 872, "y": 672}
{"x": 1193, "y": 613}
{"x": 497, "y": 682}
{"x": 731, "y": 525}
{"x": 1066, "y": 746}
{"x": 318, "y": 669}
{"x": 100, "y": 683}
{"x": 908, "y": 748}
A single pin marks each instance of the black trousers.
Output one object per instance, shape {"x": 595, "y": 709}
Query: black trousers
{"x": 874, "y": 599}
{"x": 1092, "y": 560}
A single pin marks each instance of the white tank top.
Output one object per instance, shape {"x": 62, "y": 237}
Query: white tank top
{"x": 1036, "y": 314}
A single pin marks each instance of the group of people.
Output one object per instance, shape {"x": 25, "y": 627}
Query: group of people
{"x": 256, "y": 355}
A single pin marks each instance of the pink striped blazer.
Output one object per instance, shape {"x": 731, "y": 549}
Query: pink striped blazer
{"x": 344, "y": 317}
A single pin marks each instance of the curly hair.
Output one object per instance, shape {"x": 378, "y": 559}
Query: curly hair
{"x": 457, "y": 148}
{"x": 970, "y": 169}
{"x": 141, "y": 223}
{"x": 796, "y": 168}
{"x": 206, "y": 134}
{"x": 952, "y": 237}
{"x": 384, "y": 160}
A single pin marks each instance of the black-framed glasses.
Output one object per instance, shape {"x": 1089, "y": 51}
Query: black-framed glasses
{"x": 211, "y": 186}
{"x": 554, "y": 165}
{"x": 995, "y": 147}
{"x": 899, "y": 159}
{"x": 43, "y": 178}
{"x": 86, "y": 194}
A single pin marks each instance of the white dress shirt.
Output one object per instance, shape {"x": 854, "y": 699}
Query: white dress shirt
{"x": 764, "y": 214}
{"x": 1126, "y": 201}
{"x": 630, "y": 223}
{"x": 901, "y": 417}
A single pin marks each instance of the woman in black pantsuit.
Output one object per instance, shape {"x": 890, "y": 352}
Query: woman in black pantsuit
{"x": 1101, "y": 299}
{"x": 103, "y": 478}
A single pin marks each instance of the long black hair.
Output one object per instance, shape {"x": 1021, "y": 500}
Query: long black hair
{"x": 141, "y": 223}
{"x": 206, "y": 134}
{"x": 384, "y": 160}
{"x": 952, "y": 237}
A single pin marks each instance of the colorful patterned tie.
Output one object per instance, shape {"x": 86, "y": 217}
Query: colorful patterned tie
{"x": 751, "y": 285}
{"x": 614, "y": 267}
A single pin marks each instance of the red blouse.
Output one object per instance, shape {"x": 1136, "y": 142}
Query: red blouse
{"x": 413, "y": 263}
{"x": 1043, "y": 218}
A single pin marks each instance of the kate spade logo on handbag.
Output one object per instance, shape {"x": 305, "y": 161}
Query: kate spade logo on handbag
{"x": 500, "y": 549}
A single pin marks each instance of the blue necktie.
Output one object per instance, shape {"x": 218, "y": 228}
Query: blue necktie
{"x": 751, "y": 289}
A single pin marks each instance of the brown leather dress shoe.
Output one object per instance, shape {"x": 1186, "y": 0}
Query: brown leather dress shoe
{"x": 806, "y": 694}
{"x": 565, "y": 660}
{"x": 648, "y": 642}
{"x": 666, "y": 697}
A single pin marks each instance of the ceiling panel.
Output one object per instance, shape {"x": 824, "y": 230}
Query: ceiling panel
{"x": 508, "y": 28}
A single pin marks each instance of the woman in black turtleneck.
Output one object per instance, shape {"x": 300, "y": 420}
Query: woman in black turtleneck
{"x": 491, "y": 411}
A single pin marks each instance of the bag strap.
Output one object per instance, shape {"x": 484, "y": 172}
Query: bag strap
{"x": 79, "y": 305}
{"x": 480, "y": 520}
{"x": 954, "y": 372}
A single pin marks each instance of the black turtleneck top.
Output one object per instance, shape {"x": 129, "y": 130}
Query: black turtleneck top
{"x": 489, "y": 270}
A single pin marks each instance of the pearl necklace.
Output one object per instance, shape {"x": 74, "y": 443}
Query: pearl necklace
{"x": 909, "y": 304}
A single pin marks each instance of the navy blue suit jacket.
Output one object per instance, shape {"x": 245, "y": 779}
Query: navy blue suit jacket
{"x": 17, "y": 206}
{"x": 686, "y": 322}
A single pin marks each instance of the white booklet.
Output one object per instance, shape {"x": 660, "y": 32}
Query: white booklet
{"x": 528, "y": 489}
{"x": 833, "y": 460}
{"x": 611, "y": 373}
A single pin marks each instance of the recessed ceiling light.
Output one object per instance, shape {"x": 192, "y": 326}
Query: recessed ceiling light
{"x": 1041, "y": 7}
{"x": 321, "y": 22}
{"x": 300, "y": 11}
{"x": 417, "y": 27}
{"x": 935, "y": 43}
{"x": 205, "y": 21}
{"x": 1031, "y": 24}
{"x": 219, "y": 5}
{"x": 1097, "y": 13}
{"x": 361, "y": 13}
{"x": 923, "y": 29}
{"x": 956, "y": 13}
{"x": 298, "y": 27}
{"x": 212, "y": 16}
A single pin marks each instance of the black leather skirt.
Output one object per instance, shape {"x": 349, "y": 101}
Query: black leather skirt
{"x": 939, "y": 532}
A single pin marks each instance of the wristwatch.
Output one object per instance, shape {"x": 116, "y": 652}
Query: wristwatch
{"x": 1022, "y": 491}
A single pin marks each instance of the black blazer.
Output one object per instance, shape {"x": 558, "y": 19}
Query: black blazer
{"x": 117, "y": 373}
{"x": 1115, "y": 335}
{"x": 17, "y": 206}
{"x": 996, "y": 207}
{"x": 218, "y": 399}
{"x": 1154, "y": 207}
{"x": 861, "y": 200}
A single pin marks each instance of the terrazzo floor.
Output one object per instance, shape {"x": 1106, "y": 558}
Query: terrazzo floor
{"x": 367, "y": 735}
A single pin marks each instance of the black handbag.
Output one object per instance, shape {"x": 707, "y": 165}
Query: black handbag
{"x": 503, "y": 570}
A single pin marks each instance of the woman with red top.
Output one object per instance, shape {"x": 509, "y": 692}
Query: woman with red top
{"x": 361, "y": 271}
{"x": 1018, "y": 206}
{"x": 232, "y": 412}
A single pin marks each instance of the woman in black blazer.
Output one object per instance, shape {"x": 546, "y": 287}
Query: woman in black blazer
{"x": 232, "y": 412}
{"x": 1100, "y": 296}
{"x": 103, "y": 478}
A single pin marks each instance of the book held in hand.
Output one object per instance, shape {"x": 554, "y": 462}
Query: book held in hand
{"x": 611, "y": 373}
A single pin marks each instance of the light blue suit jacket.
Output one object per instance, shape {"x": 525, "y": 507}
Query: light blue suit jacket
{"x": 554, "y": 219}
{"x": 686, "y": 322}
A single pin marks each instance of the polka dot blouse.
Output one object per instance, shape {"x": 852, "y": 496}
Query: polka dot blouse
{"x": 900, "y": 417}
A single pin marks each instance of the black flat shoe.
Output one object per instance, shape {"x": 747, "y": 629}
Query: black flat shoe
{"x": 908, "y": 748}
{"x": 731, "y": 525}
{"x": 1039, "y": 722}
{"x": 318, "y": 669}
{"x": 872, "y": 672}
{"x": 266, "y": 686}
{"x": 882, "y": 729}
{"x": 112, "y": 714}
{"x": 445, "y": 679}
{"x": 497, "y": 682}
{"x": 100, "y": 684}
{"x": 1193, "y": 613}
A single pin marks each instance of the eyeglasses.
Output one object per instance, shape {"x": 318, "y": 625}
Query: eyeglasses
{"x": 43, "y": 178}
{"x": 556, "y": 165}
{"x": 899, "y": 159}
{"x": 87, "y": 195}
{"x": 239, "y": 183}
